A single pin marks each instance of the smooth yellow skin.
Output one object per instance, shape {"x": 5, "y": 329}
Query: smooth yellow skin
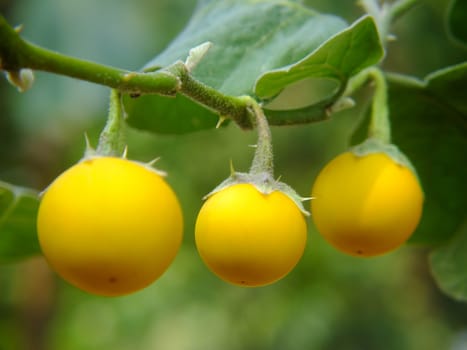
{"x": 367, "y": 205}
{"x": 109, "y": 226}
{"x": 248, "y": 238}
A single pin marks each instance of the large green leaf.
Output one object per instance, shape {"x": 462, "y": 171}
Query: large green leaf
{"x": 342, "y": 56}
{"x": 18, "y": 213}
{"x": 457, "y": 16}
{"x": 251, "y": 38}
{"x": 429, "y": 124}
{"x": 449, "y": 264}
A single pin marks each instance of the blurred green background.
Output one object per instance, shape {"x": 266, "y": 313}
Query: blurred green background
{"x": 330, "y": 301}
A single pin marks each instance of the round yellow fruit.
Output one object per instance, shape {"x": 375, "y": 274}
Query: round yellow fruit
{"x": 109, "y": 226}
{"x": 249, "y": 238}
{"x": 366, "y": 205}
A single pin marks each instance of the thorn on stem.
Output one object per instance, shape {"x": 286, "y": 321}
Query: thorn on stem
{"x": 152, "y": 162}
{"x": 125, "y": 152}
{"x": 89, "y": 151}
{"x": 221, "y": 120}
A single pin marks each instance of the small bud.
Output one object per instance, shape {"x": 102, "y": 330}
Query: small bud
{"x": 22, "y": 79}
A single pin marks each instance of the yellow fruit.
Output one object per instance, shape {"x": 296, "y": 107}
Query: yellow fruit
{"x": 248, "y": 238}
{"x": 109, "y": 226}
{"x": 366, "y": 205}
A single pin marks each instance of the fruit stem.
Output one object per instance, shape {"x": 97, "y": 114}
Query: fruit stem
{"x": 380, "y": 126}
{"x": 112, "y": 137}
{"x": 263, "y": 158}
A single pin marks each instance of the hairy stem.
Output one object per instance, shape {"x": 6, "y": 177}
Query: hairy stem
{"x": 380, "y": 126}
{"x": 112, "y": 137}
{"x": 226, "y": 106}
{"x": 263, "y": 158}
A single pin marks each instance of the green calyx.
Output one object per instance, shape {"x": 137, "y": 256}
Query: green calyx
{"x": 379, "y": 130}
{"x": 374, "y": 145}
{"x": 264, "y": 183}
{"x": 91, "y": 153}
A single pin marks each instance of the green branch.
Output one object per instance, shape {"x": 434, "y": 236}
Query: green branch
{"x": 226, "y": 106}
{"x": 17, "y": 54}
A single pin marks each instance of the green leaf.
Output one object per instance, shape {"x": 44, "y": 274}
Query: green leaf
{"x": 18, "y": 213}
{"x": 250, "y": 38}
{"x": 429, "y": 124}
{"x": 246, "y": 44}
{"x": 448, "y": 265}
{"x": 168, "y": 115}
{"x": 456, "y": 19}
{"x": 339, "y": 58}
{"x": 342, "y": 56}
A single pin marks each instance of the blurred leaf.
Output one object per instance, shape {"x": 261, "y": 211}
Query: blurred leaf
{"x": 456, "y": 20}
{"x": 249, "y": 38}
{"x": 429, "y": 124}
{"x": 18, "y": 212}
{"x": 448, "y": 264}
